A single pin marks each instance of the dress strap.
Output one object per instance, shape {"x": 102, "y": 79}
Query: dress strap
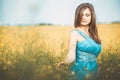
{"x": 85, "y": 36}
{"x": 81, "y": 33}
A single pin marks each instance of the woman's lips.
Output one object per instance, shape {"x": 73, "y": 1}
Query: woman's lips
{"x": 83, "y": 21}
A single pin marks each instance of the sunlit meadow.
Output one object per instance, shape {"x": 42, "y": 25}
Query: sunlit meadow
{"x": 32, "y": 53}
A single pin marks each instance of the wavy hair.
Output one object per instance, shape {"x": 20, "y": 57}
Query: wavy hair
{"x": 92, "y": 26}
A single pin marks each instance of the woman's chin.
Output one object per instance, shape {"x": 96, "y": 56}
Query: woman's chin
{"x": 84, "y": 24}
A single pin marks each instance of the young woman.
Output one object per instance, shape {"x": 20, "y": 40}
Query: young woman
{"x": 84, "y": 46}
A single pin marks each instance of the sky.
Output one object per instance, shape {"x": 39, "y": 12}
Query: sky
{"x": 30, "y": 12}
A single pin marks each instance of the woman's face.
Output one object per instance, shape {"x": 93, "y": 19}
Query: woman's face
{"x": 86, "y": 17}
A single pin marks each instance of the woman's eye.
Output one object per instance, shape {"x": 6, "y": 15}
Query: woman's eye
{"x": 87, "y": 15}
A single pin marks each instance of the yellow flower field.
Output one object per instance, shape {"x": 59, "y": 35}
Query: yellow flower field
{"x": 32, "y": 52}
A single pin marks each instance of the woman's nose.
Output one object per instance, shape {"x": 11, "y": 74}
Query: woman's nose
{"x": 83, "y": 16}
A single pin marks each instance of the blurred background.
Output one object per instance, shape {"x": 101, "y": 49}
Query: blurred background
{"x": 54, "y": 12}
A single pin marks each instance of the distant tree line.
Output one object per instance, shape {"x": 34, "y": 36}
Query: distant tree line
{"x": 114, "y": 22}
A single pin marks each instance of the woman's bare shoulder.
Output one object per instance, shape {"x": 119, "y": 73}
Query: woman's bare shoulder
{"x": 74, "y": 31}
{"x": 76, "y": 34}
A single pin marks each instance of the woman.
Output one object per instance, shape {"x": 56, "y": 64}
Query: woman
{"x": 84, "y": 46}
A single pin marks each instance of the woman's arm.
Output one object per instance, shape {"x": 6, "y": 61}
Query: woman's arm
{"x": 71, "y": 55}
{"x": 72, "y": 48}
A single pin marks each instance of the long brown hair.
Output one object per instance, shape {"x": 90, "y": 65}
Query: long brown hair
{"x": 92, "y": 26}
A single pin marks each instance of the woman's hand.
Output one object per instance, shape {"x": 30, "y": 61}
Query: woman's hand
{"x": 62, "y": 65}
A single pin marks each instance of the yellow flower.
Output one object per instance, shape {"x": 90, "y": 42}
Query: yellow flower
{"x": 4, "y": 30}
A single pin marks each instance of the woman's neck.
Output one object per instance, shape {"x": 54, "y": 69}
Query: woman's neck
{"x": 84, "y": 29}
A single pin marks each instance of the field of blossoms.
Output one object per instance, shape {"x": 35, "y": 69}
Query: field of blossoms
{"x": 33, "y": 52}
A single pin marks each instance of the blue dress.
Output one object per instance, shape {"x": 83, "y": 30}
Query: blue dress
{"x": 85, "y": 66}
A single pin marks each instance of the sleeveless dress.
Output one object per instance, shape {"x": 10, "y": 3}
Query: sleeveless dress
{"x": 85, "y": 66}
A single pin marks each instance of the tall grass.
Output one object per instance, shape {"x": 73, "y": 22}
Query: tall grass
{"x": 32, "y": 53}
